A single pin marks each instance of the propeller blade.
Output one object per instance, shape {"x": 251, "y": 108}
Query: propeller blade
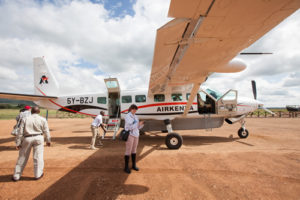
{"x": 254, "y": 89}
{"x": 254, "y": 53}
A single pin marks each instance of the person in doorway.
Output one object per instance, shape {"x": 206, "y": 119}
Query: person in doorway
{"x": 98, "y": 121}
{"x": 133, "y": 125}
{"x": 31, "y": 134}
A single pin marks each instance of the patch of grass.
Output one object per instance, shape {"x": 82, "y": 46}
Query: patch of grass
{"x": 13, "y": 113}
{"x": 8, "y": 113}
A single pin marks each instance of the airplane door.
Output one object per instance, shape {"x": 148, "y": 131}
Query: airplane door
{"x": 206, "y": 103}
{"x": 227, "y": 104}
{"x": 113, "y": 89}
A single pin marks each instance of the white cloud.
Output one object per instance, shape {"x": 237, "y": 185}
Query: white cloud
{"x": 8, "y": 74}
{"x": 70, "y": 31}
{"x": 292, "y": 80}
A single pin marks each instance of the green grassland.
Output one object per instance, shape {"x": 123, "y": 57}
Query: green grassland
{"x": 12, "y": 113}
{"x": 275, "y": 110}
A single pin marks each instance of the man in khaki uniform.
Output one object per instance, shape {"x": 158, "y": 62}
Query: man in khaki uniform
{"x": 98, "y": 121}
{"x": 31, "y": 133}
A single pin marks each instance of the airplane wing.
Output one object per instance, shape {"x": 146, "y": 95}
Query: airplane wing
{"x": 27, "y": 97}
{"x": 206, "y": 35}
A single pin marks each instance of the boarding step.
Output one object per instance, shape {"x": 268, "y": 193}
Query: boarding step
{"x": 113, "y": 125}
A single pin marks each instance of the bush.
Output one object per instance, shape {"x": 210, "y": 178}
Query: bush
{"x": 6, "y": 106}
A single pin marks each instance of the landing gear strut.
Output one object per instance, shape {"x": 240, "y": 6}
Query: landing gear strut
{"x": 243, "y": 132}
{"x": 173, "y": 140}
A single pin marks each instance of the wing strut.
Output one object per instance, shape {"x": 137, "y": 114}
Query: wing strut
{"x": 187, "y": 38}
{"x": 191, "y": 98}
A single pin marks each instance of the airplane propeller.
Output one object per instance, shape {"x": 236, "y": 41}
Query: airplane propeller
{"x": 254, "y": 89}
{"x": 254, "y": 53}
{"x": 255, "y": 97}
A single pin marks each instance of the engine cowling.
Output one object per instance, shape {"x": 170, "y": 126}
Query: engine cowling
{"x": 235, "y": 65}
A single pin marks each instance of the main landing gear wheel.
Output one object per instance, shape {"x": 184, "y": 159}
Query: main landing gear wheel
{"x": 243, "y": 133}
{"x": 173, "y": 141}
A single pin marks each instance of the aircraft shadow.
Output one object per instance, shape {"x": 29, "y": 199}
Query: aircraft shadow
{"x": 72, "y": 140}
{"x": 85, "y": 131}
{"x": 148, "y": 140}
{"x": 101, "y": 175}
{"x": 188, "y": 140}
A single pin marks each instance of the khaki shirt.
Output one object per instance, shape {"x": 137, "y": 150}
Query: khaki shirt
{"x": 33, "y": 125}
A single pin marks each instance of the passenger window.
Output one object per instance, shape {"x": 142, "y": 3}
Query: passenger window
{"x": 176, "y": 97}
{"x": 126, "y": 99}
{"x": 159, "y": 97}
{"x": 140, "y": 98}
{"x": 188, "y": 96}
{"x": 101, "y": 100}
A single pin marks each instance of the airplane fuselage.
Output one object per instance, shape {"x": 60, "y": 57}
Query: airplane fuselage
{"x": 149, "y": 108}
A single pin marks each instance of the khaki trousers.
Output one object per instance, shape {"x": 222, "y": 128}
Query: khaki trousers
{"x": 95, "y": 132}
{"x": 131, "y": 145}
{"x": 37, "y": 143}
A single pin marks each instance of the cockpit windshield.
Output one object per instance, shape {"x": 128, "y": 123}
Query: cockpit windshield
{"x": 216, "y": 94}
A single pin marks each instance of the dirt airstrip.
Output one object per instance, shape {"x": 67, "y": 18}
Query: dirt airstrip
{"x": 210, "y": 165}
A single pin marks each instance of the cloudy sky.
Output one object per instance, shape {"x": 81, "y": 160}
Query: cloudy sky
{"x": 86, "y": 41}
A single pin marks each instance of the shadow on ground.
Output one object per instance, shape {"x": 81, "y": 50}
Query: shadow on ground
{"x": 8, "y": 178}
{"x": 101, "y": 175}
{"x": 6, "y": 140}
{"x": 148, "y": 140}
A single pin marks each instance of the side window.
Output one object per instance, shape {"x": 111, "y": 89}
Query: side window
{"x": 188, "y": 96}
{"x": 126, "y": 99}
{"x": 202, "y": 96}
{"x": 176, "y": 97}
{"x": 101, "y": 100}
{"x": 159, "y": 97}
{"x": 230, "y": 96}
{"x": 140, "y": 98}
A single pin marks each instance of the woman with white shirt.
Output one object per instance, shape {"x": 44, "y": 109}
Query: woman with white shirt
{"x": 133, "y": 125}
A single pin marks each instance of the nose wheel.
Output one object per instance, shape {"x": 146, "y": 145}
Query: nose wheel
{"x": 243, "y": 132}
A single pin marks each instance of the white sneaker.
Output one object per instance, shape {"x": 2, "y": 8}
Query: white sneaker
{"x": 93, "y": 148}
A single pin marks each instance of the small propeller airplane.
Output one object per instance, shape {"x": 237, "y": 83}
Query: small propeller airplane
{"x": 203, "y": 38}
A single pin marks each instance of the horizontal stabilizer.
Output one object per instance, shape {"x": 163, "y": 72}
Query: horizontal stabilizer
{"x": 26, "y": 97}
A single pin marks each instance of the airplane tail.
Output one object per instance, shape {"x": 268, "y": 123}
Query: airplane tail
{"x": 44, "y": 80}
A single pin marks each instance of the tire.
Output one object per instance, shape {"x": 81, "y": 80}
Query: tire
{"x": 242, "y": 133}
{"x": 173, "y": 141}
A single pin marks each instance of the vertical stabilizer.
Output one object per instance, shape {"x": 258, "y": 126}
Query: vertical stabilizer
{"x": 44, "y": 81}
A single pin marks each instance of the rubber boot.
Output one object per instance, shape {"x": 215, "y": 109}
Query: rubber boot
{"x": 126, "y": 169}
{"x": 133, "y": 158}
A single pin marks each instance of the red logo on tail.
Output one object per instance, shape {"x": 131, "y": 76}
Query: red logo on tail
{"x": 44, "y": 79}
